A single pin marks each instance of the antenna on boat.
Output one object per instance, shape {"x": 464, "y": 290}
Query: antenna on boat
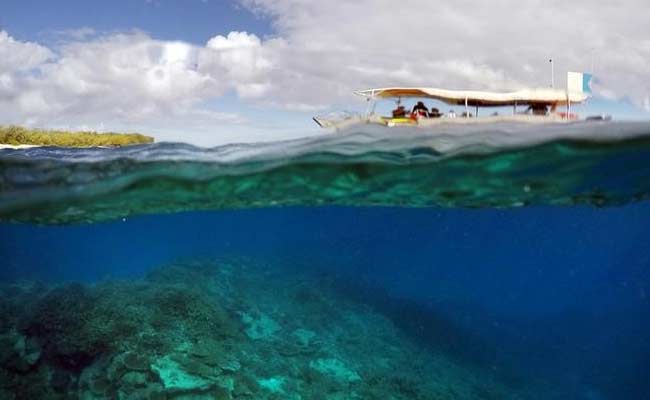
{"x": 550, "y": 60}
{"x": 370, "y": 107}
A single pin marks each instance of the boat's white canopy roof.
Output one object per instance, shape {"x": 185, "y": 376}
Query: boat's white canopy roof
{"x": 546, "y": 96}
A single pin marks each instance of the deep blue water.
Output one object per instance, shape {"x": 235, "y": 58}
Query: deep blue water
{"x": 558, "y": 293}
{"x": 538, "y": 290}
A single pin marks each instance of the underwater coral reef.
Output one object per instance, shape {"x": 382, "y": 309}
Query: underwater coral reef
{"x": 217, "y": 329}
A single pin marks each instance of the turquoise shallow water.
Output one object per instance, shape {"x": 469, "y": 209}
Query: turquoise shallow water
{"x": 503, "y": 165}
{"x": 499, "y": 266}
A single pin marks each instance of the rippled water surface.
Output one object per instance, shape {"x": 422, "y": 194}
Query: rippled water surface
{"x": 502, "y": 166}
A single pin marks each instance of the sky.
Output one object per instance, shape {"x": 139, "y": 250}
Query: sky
{"x": 210, "y": 72}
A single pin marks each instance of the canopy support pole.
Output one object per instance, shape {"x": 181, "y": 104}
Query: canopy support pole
{"x": 466, "y": 108}
{"x": 476, "y": 111}
{"x": 514, "y": 108}
{"x": 370, "y": 107}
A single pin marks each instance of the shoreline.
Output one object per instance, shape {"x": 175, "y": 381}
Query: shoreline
{"x": 4, "y": 146}
{"x": 17, "y": 146}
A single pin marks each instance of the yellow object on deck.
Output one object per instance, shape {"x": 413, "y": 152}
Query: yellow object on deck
{"x": 399, "y": 121}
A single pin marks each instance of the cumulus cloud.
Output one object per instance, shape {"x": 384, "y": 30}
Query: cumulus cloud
{"x": 20, "y": 56}
{"x": 331, "y": 48}
{"x": 241, "y": 56}
{"x": 125, "y": 78}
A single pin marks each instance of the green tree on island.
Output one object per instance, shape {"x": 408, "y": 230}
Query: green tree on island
{"x": 15, "y": 135}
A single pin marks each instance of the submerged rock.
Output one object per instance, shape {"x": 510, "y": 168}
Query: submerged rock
{"x": 335, "y": 368}
{"x": 203, "y": 349}
{"x": 99, "y": 386}
{"x": 29, "y": 351}
{"x": 226, "y": 382}
{"x": 137, "y": 379}
{"x": 261, "y": 327}
{"x": 304, "y": 336}
{"x": 136, "y": 362}
{"x": 176, "y": 379}
{"x": 273, "y": 384}
{"x": 67, "y": 320}
{"x": 93, "y": 381}
{"x": 18, "y": 352}
{"x": 229, "y": 365}
{"x": 243, "y": 389}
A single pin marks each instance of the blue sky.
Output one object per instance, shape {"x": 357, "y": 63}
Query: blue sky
{"x": 211, "y": 72}
{"x": 193, "y": 21}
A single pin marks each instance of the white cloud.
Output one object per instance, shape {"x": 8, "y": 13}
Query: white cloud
{"x": 320, "y": 51}
{"x": 132, "y": 82}
{"x": 330, "y": 48}
{"x": 122, "y": 77}
{"x": 20, "y": 56}
{"x": 75, "y": 33}
{"x": 241, "y": 56}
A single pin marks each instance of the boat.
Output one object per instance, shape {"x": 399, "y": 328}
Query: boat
{"x": 537, "y": 105}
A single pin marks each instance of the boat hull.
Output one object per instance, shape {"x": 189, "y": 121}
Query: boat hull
{"x": 428, "y": 122}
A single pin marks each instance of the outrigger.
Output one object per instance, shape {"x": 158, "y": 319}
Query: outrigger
{"x": 528, "y": 105}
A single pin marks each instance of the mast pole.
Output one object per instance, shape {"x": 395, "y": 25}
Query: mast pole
{"x": 370, "y": 103}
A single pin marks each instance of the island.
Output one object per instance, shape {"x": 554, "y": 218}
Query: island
{"x": 20, "y": 136}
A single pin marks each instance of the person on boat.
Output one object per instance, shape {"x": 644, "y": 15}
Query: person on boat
{"x": 452, "y": 114}
{"x": 434, "y": 113}
{"x": 420, "y": 110}
{"x": 399, "y": 112}
{"x": 537, "y": 109}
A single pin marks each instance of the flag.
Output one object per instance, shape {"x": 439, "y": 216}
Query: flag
{"x": 578, "y": 82}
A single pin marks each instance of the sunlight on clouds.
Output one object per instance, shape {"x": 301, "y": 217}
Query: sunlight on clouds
{"x": 234, "y": 41}
{"x": 241, "y": 56}
{"x": 178, "y": 52}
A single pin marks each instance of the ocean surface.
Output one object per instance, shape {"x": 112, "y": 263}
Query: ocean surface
{"x": 499, "y": 262}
